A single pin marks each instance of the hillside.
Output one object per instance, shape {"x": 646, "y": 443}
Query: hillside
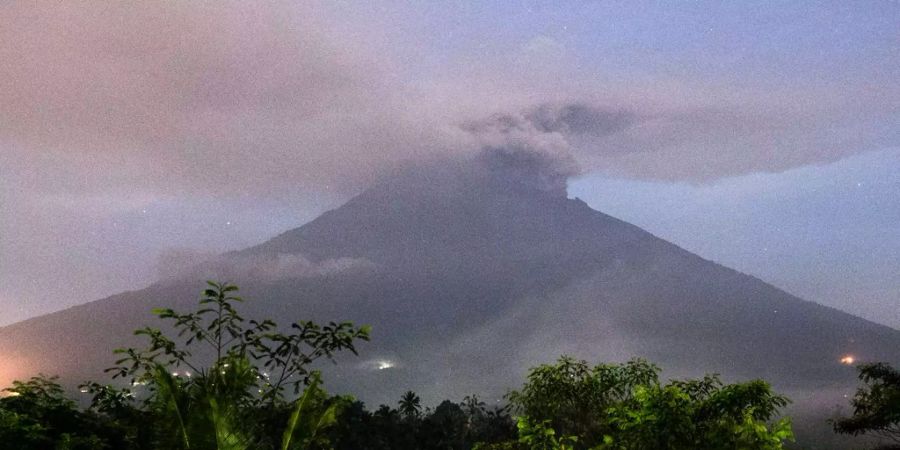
{"x": 469, "y": 274}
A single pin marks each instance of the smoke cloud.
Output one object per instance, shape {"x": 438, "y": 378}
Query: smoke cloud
{"x": 260, "y": 267}
{"x": 108, "y": 108}
{"x": 233, "y": 99}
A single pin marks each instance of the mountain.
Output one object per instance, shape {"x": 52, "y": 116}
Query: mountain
{"x": 472, "y": 271}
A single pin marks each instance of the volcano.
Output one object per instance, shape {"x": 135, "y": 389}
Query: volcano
{"x": 472, "y": 271}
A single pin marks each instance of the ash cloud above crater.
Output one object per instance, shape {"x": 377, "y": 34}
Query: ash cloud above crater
{"x": 109, "y": 110}
{"x": 227, "y": 98}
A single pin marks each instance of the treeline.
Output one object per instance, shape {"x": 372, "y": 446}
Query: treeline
{"x": 39, "y": 416}
{"x": 261, "y": 393}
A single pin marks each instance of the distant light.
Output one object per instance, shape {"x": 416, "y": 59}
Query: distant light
{"x": 379, "y": 364}
{"x": 174, "y": 374}
{"x": 848, "y": 360}
{"x": 384, "y": 364}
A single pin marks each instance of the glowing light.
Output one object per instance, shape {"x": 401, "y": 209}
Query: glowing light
{"x": 382, "y": 365}
{"x": 848, "y": 360}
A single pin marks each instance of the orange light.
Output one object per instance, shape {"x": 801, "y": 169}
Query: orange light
{"x": 848, "y": 360}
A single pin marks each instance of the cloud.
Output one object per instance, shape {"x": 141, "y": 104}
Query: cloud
{"x": 549, "y": 127}
{"x": 232, "y": 99}
{"x": 187, "y": 97}
{"x": 537, "y": 146}
{"x": 176, "y": 262}
{"x": 257, "y": 267}
{"x": 108, "y": 108}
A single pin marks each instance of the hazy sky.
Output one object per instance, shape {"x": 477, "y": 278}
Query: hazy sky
{"x": 762, "y": 136}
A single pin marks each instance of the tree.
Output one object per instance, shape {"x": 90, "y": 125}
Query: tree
{"x": 624, "y": 406}
{"x": 410, "y": 405}
{"x": 36, "y": 414}
{"x": 575, "y": 397}
{"x": 227, "y": 404}
{"x": 487, "y": 425}
{"x": 444, "y": 428}
{"x": 699, "y": 414}
{"x": 876, "y": 405}
{"x": 540, "y": 436}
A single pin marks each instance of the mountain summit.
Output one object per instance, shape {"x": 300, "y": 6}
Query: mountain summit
{"x": 472, "y": 271}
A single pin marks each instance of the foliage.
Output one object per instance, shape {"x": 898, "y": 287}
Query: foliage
{"x": 876, "y": 405}
{"x": 219, "y": 327}
{"x": 533, "y": 436}
{"x": 448, "y": 426}
{"x": 575, "y": 397}
{"x": 410, "y": 405}
{"x": 689, "y": 414}
{"x": 625, "y": 406}
{"x": 238, "y": 392}
{"x": 233, "y": 402}
{"x": 540, "y": 436}
{"x": 36, "y": 414}
{"x": 309, "y": 418}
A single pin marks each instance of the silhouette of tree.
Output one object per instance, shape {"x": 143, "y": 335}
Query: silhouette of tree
{"x": 35, "y": 414}
{"x": 410, "y": 405}
{"x": 218, "y": 406}
{"x": 876, "y": 405}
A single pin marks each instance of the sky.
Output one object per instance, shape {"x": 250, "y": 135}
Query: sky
{"x": 136, "y": 137}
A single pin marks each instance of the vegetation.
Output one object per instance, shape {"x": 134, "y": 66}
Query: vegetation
{"x": 448, "y": 426}
{"x": 258, "y": 390}
{"x": 624, "y": 406}
{"x": 35, "y": 414}
{"x": 876, "y": 405}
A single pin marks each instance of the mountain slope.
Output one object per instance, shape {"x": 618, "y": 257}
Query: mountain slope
{"x": 470, "y": 272}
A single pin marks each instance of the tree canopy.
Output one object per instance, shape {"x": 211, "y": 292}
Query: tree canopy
{"x": 239, "y": 400}
{"x": 876, "y": 405}
{"x": 625, "y": 406}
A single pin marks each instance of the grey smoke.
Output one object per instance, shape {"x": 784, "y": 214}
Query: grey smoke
{"x": 550, "y": 127}
{"x": 580, "y": 119}
{"x": 536, "y": 147}
{"x": 267, "y": 268}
